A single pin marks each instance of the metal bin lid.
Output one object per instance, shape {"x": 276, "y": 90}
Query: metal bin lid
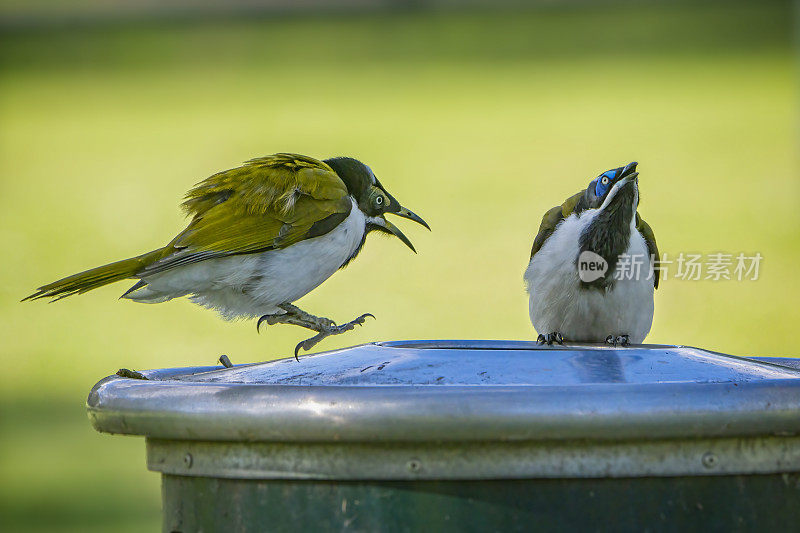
{"x": 455, "y": 391}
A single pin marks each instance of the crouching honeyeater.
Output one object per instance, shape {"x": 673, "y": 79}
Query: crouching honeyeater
{"x": 261, "y": 236}
{"x": 592, "y": 274}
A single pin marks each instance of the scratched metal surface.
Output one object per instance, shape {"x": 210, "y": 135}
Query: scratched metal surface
{"x": 499, "y": 363}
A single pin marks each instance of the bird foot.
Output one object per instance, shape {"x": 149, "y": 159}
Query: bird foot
{"x": 296, "y": 316}
{"x": 622, "y": 340}
{"x": 329, "y": 330}
{"x": 325, "y": 327}
{"x": 550, "y": 338}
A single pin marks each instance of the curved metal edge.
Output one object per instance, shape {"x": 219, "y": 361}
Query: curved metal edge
{"x": 162, "y": 374}
{"x": 240, "y": 412}
{"x": 482, "y": 460}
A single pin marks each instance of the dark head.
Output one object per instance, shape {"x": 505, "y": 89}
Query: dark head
{"x": 613, "y": 188}
{"x": 373, "y": 200}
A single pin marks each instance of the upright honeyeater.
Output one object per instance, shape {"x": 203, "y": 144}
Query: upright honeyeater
{"x": 592, "y": 271}
{"x": 261, "y": 236}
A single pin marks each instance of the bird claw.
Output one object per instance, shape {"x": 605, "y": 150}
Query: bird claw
{"x": 309, "y": 343}
{"x": 622, "y": 340}
{"x": 360, "y": 320}
{"x": 269, "y": 319}
{"x": 550, "y": 338}
{"x": 331, "y": 329}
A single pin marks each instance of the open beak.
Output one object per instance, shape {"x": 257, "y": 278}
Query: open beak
{"x": 396, "y": 209}
{"x": 628, "y": 179}
{"x": 630, "y": 168}
{"x": 630, "y": 171}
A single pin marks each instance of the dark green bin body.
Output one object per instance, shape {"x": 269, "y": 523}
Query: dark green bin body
{"x": 711, "y": 503}
{"x": 471, "y": 436}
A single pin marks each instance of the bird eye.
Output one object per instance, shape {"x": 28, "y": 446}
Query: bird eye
{"x": 379, "y": 201}
{"x": 604, "y": 181}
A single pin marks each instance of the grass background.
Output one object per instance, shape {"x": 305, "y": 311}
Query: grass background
{"x": 479, "y": 121}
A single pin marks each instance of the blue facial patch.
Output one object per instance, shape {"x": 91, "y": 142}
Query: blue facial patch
{"x": 600, "y": 189}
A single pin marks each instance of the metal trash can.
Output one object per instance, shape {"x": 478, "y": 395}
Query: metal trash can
{"x": 470, "y": 435}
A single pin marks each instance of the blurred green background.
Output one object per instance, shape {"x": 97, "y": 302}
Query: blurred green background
{"x": 478, "y": 120}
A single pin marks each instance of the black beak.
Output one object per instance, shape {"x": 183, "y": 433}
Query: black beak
{"x": 396, "y": 209}
{"x": 406, "y": 213}
{"x": 630, "y": 168}
{"x": 394, "y": 230}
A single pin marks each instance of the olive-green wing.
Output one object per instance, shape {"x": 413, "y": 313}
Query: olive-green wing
{"x": 268, "y": 203}
{"x": 649, "y": 239}
{"x": 551, "y": 219}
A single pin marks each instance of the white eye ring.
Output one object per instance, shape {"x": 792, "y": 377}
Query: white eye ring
{"x": 379, "y": 200}
{"x": 604, "y": 181}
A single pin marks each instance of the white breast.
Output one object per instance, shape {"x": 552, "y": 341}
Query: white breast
{"x": 559, "y": 303}
{"x": 290, "y": 273}
{"x": 251, "y": 285}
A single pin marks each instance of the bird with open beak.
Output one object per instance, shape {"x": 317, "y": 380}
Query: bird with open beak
{"x": 261, "y": 236}
{"x": 578, "y": 290}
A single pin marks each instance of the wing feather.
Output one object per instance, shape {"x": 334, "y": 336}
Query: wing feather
{"x": 649, "y": 239}
{"x": 267, "y": 203}
{"x": 552, "y": 218}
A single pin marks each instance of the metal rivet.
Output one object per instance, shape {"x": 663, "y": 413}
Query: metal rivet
{"x": 188, "y": 460}
{"x": 709, "y": 460}
{"x": 414, "y": 465}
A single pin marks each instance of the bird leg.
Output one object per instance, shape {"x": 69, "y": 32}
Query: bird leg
{"x": 550, "y": 338}
{"x": 324, "y": 327}
{"x": 622, "y": 340}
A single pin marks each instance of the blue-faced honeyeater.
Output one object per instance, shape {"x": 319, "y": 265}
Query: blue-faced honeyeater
{"x": 597, "y": 227}
{"x": 261, "y": 236}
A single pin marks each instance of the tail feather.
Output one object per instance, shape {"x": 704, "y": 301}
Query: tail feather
{"x": 97, "y": 277}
